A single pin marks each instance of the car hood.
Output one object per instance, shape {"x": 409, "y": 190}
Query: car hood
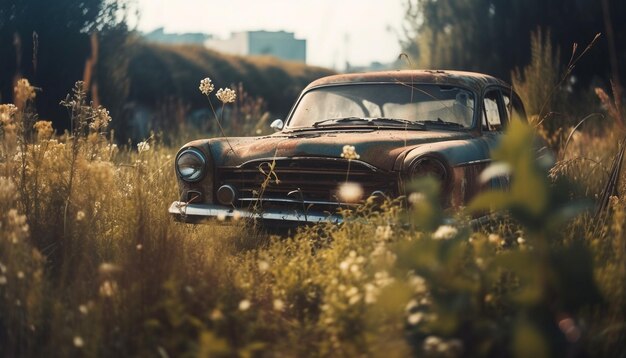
{"x": 379, "y": 148}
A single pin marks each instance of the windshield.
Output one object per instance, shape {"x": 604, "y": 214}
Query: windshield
{"x": 390, "y": 104}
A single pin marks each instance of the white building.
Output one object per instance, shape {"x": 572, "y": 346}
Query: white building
{"x": 280, "y": 44}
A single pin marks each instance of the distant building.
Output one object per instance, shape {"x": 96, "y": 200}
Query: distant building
{"x": 160, "y": 36}
{"x": 280, "y": 44}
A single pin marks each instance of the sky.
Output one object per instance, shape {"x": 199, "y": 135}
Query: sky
{"x": 358, "y": 31}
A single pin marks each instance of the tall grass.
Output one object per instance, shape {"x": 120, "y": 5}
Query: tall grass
{"x": 91, "y": 264}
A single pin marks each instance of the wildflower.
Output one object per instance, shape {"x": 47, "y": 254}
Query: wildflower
{"x": 409, "y": 306}
{"x": 349, "y": 152}
{"x": 101, "y": 119}
{"x": 206, "y": 86}
{"x": 344, "y": 265}
{"x": 107, "y": 268}
{"x": 216, "y": 315}
{"x": 384, "y": 233}
{"x": 83, "y": 309}
{"x": 416, "y": 198}
{"x": 415, "y": 318}
{"x": 221, "y": 216}
{"x": 80, "y": 215}
{"x": 354, "y": 299}
{"x": 6, "y": 113}
{"x": 431, "y": 344}
{"x": 279, "y": 305}
{"x": 244, "y": 305}
{"x": 44, "y": 129}
{"x": 20, "y": 275}
{"x": 418, "y": 283}
{"x": 494, "y": 239}
{"x": 23, "y": 92}
{"x": 7, "y": 190}
{"x": 263, "y": 265}
{"x": 78, "y": 342}
{"x": 352, "y": 291}
{"x": 143, "y": 146}
{"x": 108, "y": 288}
{"x": 521, "y": 241}
{"x": 236, "y": 215}
{"x": 445, "y": 232}
{"x": 350, "y": 192}
{"x": 226, "y": 95}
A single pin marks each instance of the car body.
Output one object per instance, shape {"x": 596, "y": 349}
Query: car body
{"x": 377, "y": 130}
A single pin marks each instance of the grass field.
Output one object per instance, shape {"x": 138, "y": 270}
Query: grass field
{"x": 91, "y": 264}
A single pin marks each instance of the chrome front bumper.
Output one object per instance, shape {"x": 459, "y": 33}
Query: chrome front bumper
{"x": 198, "y": 212}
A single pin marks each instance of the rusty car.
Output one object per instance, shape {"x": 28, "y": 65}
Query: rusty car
{"x": 374, "y": 131}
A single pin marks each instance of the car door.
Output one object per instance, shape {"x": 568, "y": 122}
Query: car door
{"x": 494, "y": 120}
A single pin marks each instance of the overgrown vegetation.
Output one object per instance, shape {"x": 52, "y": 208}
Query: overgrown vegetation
{"x": 91, "y": 264}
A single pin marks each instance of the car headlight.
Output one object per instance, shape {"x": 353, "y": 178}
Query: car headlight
{"x": 191, "y": 165}
{"x": 430, "y": 167}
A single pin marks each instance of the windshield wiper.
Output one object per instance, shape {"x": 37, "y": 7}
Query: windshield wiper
{"x": 441, "y": 122}
{"x": 339, "y": 120}
{"x": 369, "y": 121}
{"x": 397, "y": 120}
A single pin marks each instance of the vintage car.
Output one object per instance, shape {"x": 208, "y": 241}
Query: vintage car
{"x": 371, "y": 131}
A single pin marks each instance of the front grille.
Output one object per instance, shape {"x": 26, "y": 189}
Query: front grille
{"x": 302, "y": 183}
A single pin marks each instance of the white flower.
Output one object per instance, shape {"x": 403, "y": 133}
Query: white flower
{"x": 412, "y": 304}
{"x": 418, "y": 283}
{"x": 206, "y": 86}
{"x": 349, "y": 152}
{"x": 244, "y": 305}
{"x": 83, "y": 309}
{"x": 415, "y": 318}
{"x": 350, "y": 192}
{"x": 80, "y": 215}
{"x": 352, "y": 291}
{"x": 415, "y": 198}
{"x": 107, "y": 268}
{"x": 143, "y": 147}
{"x": 226, "y": 95}
{"x": 344, "y": 265}
{"x": 494, "y": 239}
{"x": 78, "y": 342}
{"x": 384, "y": 233}
{"x": 108, "y": 288}
{"x": 279, "y": 305}
{"x": 521, "y": 241}
{"x": 445, "y": 232}
{"x": 263, "y": 265}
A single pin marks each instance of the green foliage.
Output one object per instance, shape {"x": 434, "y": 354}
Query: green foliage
{"x": 100, "y": 270}
{"x": 492, "y": 36}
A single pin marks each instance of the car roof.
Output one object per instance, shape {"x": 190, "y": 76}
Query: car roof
{"x": 472, "y": 80}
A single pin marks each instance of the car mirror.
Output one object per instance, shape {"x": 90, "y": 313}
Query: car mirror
{"x": 277, "y": 125}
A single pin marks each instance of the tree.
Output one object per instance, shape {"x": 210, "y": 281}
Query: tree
{"x": 48, "y": 43}
{"x": 493, "y": 36}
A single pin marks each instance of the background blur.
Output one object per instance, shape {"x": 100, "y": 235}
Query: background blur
{"x": 143, "y": 59}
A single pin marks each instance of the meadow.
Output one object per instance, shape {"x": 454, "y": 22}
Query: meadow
{"x": 92, "y": 265}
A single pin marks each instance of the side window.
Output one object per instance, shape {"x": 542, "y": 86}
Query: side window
{"x": 492, "y": 118}
{"x": 514, "y": 109}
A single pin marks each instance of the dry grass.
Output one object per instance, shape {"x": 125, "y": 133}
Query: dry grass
{"x": 91, "y": 264}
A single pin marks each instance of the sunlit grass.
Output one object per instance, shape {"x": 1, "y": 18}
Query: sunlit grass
{"x": 91, "y": 263}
